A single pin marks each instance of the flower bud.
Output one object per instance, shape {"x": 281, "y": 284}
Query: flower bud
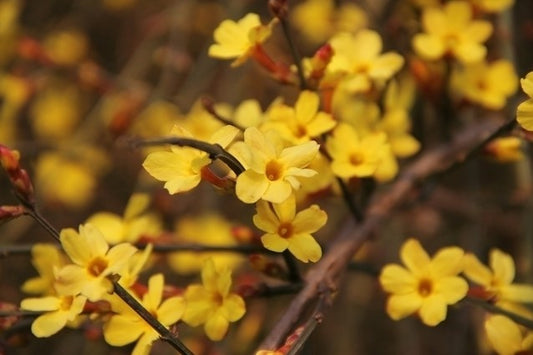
{"x": 19, "y": 178}
{"x": 279, "y": 8}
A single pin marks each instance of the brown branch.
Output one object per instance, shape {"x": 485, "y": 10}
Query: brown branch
{"x": 332, "y": 266}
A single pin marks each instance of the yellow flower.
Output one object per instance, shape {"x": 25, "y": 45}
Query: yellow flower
{"x": 353, "y": 155}
{"x": 211, "y": 303}
{"x": 66, "y": 47}
{"x": 488, "y": 85}
{"x": 451, "y": 30}
{"x": 93, "y": 262}
{"x": 130, "y": 227}
{"x": 507, "y": 337}
{"x": 286, "y": 229}
{"x": 126, "y": 326}
{"x": 271, "y": 170}
{"x": 396, "y": 122}
{"x": 317, "y": 20}
{"x": 303, "y": 122}
{"x": 45, "y": 258}
{"x": 156, "y": 119}
{"x": 248, "y": 114}
{"x": 239, "y": 39}
{"x": 181, "y": 168}
{"x": 497, "y": 281}
{"x": 59, "y": 310}
{"x": 493, "y": 5}
{"x": 208, "y": 229}
{"x": 426, "y": 286}
{"x": 524, "y": 114}
{"x": 359, "y": 58}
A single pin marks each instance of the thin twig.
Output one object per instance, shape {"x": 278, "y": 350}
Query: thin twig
{"x": 498, "y": 310}
{"x": 38, "y": 217}
{"x": 292, "y": 267}
{"x": 294, "y": 52}
{"x": 348, "y": 199}
{"x": 164, "y": 333}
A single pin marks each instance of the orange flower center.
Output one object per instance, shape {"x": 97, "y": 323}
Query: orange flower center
{"x": 425, "y": 287}
{"x": 301, "y": 131}
{"x": 285, "y": 230}
{"x": 356, "y": 158}
{"x": 274, "y": 170}
{"x": 97, "y": 266}
{"x": 66, "y": 303}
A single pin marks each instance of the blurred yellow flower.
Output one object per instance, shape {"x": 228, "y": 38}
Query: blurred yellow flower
{"x": 497, "y": 281}
{"x": 14, "y": 92}
{"x": 286, "y": 229}
{"x": 181, "y": 167}
{"x": 318, "y": 20}
{"x": 452, "y": 30}
{"x": 56, "y": 112}
{"x": 272, "y": 171}
{"x": 134, "y": 224}
{"x": 300, "y": 123}
{"x": 239, "y": 39}
{"x": 156, "y": 119}
{"x": 66, "y": 47}
{"x": 93, "y": 261}
{"x": 206, "y": 229}
{"x": 505, "y": 149}
{"x": 126, "y": 326}
{"x": 58, "y": 312}
{"x": 493, "y": 5}
{"x": 524, "y": 113}
{"x": 358, "y": 57}
{"x": 212, "y": 303}
{"x": 45, "y": 258}
{"x": 507, "y": 337}
{"x": 355, "y": 156}
{"x": 489, "y": 85}
{"x": 426, "y": 286}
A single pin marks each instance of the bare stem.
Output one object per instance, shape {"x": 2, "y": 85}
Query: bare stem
{"x": 294, "y": 273}
{"x": 165, "y": 334}
{"x": 528, "y": 323}
{"x": 294, "y": 52}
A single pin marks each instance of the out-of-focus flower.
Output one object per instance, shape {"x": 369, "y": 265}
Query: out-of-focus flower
{"x": 239, "y": 39}
{"x": 359, "y": 59}
{"x": 45, "y": 258}
{"x": 272, "y": 171}
{"x": 505, "y": 149}
{"x": 14, "y": 92}
{"x": 93, "y": 261}
{"x": 59, "y": 311}
{"x": 489, "y": 85}
{"x": 56, "y": 111}
{"x": 355, "y": 156}
{"x": 208, "y": 229}
{"x": 212, "y": 303}
{"x": 304, "y": 121}
{"x": 452, "y": 30}
{"x": 318, "y": 20}
{"x": 66, "y": 47}
{"x": 524, "y": 113}
{"x": 133, "y": 225}
{"x": 507, "y": 337}
{"x": 427, "y": 286}
{"x": 286, "y": 229}
{"x": 126, "y": 326}
{"x": 493, "y": 5}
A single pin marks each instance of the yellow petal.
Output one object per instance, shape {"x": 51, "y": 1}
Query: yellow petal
{"x": 171, "y": 310}
{"x": 109, "y": 224}
{"x": 300, "y": 155}
{"x": 414, "y": 256}
{"x": 152, "y": 298}
{"x": 274, "y": 242}
{"x": 517, "y": 293}
{"x": 401, "y": 306}
{"x": 453, "y": 289}
{"x": 224, "y": 136}
{"x": 428, "y": 46}
{"x": 48, "y": 324}
{"x": 144, "y": 344}
{"x": 305, "y": 248}
{"x": 470, "y": 52}
{"x": 503, "y": 334}
{"x": 216, "y": 327}
{"x": 233, "y": 307}
{"x": 121, "y": 330}
{"x": 306, "y": 106}
{"x": 527, "y": 84}
{"x": 137, "y": 204}
{"x": 286, "y": 210}
{"x": 118, "y": 256}
{"x": 447, "y": 262}
{"x": 398, "y": 280}
{"x": 476, "y": 271}
{"x": 75, "y": 247}
{"x": 502, "y": 265}
{"x": 386, "y": 66}
{"x": 265, "y": 218}
{"x": 433, "y": 310}
{"x": 524, "y": 115}
{"x": 277, "y": 191}
{"x": 251, "y": 186}
{"x": 309, "y": 220}
{"x": 43, "y": 304}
